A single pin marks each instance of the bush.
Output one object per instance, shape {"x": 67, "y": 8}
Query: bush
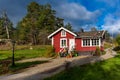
{"x": 50, "y": 52}
{"x": 117, "y": 48}
{"x": 118, "y": 39}
{"x": 99, "y": 51}
{"x": 4, "y": 66}
{"x": 74, "y": 53}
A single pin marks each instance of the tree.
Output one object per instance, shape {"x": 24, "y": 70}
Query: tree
{"x": 37, "y": 24}
{"x": 58, "y": 23}
{"x": 6, "y": 28}
{"x": 2, "y": 30}
{"x": 39, "y": 18}
{"x": 69, "y": 26}
{"x": 118, "y": 39}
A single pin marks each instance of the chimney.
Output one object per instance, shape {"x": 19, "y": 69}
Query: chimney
{"x": 81, "y": 30}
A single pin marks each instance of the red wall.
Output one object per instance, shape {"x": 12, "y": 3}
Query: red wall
{"x": 57, "y": 37}
{"x": 78, "y": 45}
{"x": 80, "y": 48}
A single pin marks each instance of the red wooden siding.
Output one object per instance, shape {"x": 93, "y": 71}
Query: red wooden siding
{"x": 80, "y": 48}
{"x": 57, "y": 37}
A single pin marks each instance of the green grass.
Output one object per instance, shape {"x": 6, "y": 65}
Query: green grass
{"x": 105, "y": 70}
{"x": 18, "y": 66}
{"x": 23, "y": 52}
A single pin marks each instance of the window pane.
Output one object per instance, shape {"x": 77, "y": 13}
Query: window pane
{"x": 95, "y": 42}
{"x": 63, "y": 33}
{"x": 63, "y": 43}
{"x": 86, "y": 42}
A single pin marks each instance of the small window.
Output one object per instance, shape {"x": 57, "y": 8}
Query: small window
{"x": 63, "y": 33}
{"x": 63, "y": 43}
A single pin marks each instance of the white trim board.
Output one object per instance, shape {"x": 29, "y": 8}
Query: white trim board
{"x": 62, "y": 28}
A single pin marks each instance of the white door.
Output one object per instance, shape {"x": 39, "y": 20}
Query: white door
{"x": 71, "y": 44}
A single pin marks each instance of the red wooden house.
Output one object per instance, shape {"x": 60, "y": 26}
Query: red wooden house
{"x": 82, "y": 41}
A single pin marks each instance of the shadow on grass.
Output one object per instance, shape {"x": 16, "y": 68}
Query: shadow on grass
{"x": 19, "y": 66}
{"x": 104, "y": 70}
{"x": 10, "y": 58}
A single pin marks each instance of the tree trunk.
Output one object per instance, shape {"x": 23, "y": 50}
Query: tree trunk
{"x": 7, "y": 31}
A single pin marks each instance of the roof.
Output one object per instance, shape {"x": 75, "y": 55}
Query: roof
{"x": 62, "y": 28}
{"x": 91, "y": 34}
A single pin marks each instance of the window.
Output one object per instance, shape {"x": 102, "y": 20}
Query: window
{"x": 63, "y": 42}
{"x": 95, "y": 42}
{"x": 63, "y": 33}
{"x": 90, "y": 42}
{"x": 86, "y": 42}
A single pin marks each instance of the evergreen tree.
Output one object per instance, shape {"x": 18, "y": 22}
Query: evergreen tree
{"x": 69, "y": 26}
{"x": 37, "y": 24}
{"x": 39, "y": 18}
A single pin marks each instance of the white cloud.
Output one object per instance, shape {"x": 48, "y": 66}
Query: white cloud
{"x": 112, "y": 25}
{"x": 77, "y": 12}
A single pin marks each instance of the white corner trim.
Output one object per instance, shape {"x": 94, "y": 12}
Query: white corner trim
{"x": 82, "y": 42}
{"x": 52, "y": 42}
{"x": 59, "y": 30}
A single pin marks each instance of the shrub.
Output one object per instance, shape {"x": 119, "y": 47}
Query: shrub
{"x": 118, "y": 39}
{"x": 4, "y": 66}
{"x": 50, "y": 52}
{"x": 99, "y": 51}
{"x": 74, "y": 53}
{"x": 117, "y": 48}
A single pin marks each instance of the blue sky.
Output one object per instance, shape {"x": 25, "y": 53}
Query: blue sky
{"x": 102, "y": 14}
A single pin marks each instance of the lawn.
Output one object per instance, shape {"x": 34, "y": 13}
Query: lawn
{"x": 105, "y": 70}
{"x": 23, "y": 52}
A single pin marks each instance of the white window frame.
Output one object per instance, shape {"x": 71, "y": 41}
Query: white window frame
{"x": 87, "y": 42}
{"x": 95, "y": 42}
{"x": 63, "y": 33}
{"x": 61, "y": 46}
{"x": 92, "y": 42}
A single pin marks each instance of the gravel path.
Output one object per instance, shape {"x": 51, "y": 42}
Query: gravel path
{"x": 42, "y": 71}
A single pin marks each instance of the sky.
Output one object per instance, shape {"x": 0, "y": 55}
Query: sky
{"x": 102, "y": 14}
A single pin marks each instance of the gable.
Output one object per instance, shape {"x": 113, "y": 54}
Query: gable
{"x": 60, "y": 29}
